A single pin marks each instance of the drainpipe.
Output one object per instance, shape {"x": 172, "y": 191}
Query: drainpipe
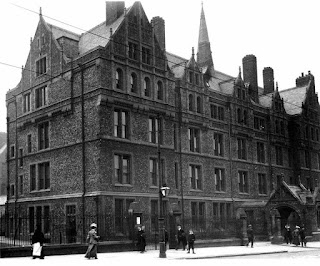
{"x": 230, "y": 153}
{"x": 83, "y": 151}
{"x": 180, "y": 150}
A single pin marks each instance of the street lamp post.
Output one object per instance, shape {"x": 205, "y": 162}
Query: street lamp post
{"x": 163, "y": 191}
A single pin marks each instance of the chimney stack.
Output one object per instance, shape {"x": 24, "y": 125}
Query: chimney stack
{"x": 303, "y": 80}
{"x": 249, "y": 65}
{"x": 114, "y": 9}
{"x": 268, "y": 80}
{"x": 159, "y": 31}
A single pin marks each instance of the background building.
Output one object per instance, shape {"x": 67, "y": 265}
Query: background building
{"x": 99, "y": 119}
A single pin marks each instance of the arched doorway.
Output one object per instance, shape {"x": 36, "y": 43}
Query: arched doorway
{"x": 290, "y": 216}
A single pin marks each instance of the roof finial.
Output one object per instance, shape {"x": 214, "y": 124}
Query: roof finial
{"x": 277, "y": 86}
{"x": 40, "y": 12}
{"x": 192, "y": 51}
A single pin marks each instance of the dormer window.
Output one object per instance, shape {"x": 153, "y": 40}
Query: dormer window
{"x": 133, "y": 51}
{"x": 191, "y": 77}
{"x": 146, "y": 55}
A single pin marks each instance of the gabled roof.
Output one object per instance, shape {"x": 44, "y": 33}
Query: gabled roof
{"x": 299, "y": 193}
{"x": 99, "y": 35}
{"x": 292, "y": 99}
{"x": 59, "y": 32}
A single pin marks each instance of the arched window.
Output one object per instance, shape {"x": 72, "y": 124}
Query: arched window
{"x": 119, "y": 79}
{"x": 190, "y": 102}
{"x": 133, "y": 82}
{"x": 198, "y": 104}
{"x": 159, "y": 90}
{"x": 147, "y": 87}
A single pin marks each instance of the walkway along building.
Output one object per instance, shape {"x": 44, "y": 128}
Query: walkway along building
{"x": 93, "y": 113}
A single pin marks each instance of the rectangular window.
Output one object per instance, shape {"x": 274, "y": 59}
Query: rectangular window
{"x": 146, "y": 55}
{"x": 121, "y": 122}
{"x": 29, "y": 143}
{"x": 33, "y": 177}
{"x": 259, "y": 123}
{"x": 217, "y": 112}
{"x": 176, "y": 174}
{"x": 21, "y": 184}
{"x": 307, "y": 159}
{"x": 194, "y": 139}
{"x": 43, "y": 175}
{"x": 46, "y": 219}
{"x": 262, "y": 182}
{"x": 41, "y": 97}
{"x": 279, "y": 155}
{"x": 122, "y": 168}
{"x": 195, "y": 176}
{"x": 119, "y": 215}
{"x": 220, "y": 182}
{"x": 133, "y": 51}
{"x": 218, "y": 144}
{"x": 260, "y": 152}
{"x": 12, "y": 151}
{"x": 242, "y": 153}
{"x": 43, "y": 135}
{"x": 318, "y": 160}
{"x": 26, "y": 103}
{"x": 31, "y": 219}
{"x": 243, "y": 182}
{"x": 153, "y": 171}
{"x": 154, "y": 215}
{"x": 155, "y": 130}
{"x": 20, "y": 157}
{"x": 41, "y": 66}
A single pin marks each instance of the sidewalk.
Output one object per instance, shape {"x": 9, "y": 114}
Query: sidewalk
{"x": 174, "y": 257}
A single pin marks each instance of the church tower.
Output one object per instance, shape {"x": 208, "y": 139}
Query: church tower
{"x": 204, "y": 57}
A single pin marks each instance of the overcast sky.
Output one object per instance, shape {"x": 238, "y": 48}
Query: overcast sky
{"x": 282, "y": 34}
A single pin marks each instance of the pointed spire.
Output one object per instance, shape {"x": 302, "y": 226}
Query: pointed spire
{"x": 239, "y": 81}
{"x": 204, "y": 57}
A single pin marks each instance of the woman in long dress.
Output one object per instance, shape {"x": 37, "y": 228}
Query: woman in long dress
{"x": 37, "y": 244}
{"x": 92, "y": 239}
{"x": 295, "y": 234}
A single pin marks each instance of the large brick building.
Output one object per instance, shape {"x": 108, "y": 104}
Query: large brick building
{"x": 93, "y": 113}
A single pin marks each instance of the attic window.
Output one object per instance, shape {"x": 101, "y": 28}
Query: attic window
{"x": 190, "y": 77}
{"x": 133, "y": 51}
{"x": 41, "y": 66}
{"x": 146, "y": 55}
{"x": 197, "y": 79}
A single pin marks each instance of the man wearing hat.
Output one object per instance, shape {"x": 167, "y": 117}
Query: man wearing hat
{"x": 92, "y": 239}
{"x": 250, "y": 235}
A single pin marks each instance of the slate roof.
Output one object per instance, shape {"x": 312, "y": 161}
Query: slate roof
{"x": 292, "y": 99}
{"x": 176, "y": 64}
{"x": 59, "y": 32}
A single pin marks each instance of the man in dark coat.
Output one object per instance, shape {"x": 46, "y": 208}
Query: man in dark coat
{"x": 250, "y": 235}
{"x": 302, "y": 234}
{"x": 181, "y": 238}
{"x": 191, "y": 239}
{"x": 141, "y": 237}
{"x": 37, "y": 243}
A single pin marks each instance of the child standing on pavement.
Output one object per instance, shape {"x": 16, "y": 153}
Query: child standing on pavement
{"x": 191, "y": 239}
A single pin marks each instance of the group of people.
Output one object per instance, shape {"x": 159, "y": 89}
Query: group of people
{"x": 296, "y": 237}
{"x": 181, "y": 238}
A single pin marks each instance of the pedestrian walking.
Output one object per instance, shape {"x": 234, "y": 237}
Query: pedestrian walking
{"x": 296, "y": 236}
{"x": 302, "y": 234}
{"x": 288, "y": 234}
{"x": 191, "y": 239}
{"x": 92, "y": 239}
{"x": 181, "y": 238}
{"x": 37, "y": 243}
{"x": 141, "y": 237}
{"x": 250, "y": 235}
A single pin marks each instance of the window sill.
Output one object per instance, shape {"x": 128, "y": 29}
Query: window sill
{"x": 122, "y": 185}
{"x": 40, "y": 190}
{"x": 196, "y": 190}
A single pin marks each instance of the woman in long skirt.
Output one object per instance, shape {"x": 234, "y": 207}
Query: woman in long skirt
{"x": 92, "y": 239}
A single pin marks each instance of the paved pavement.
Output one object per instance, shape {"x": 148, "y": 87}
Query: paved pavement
{"x": 173, "y": 256}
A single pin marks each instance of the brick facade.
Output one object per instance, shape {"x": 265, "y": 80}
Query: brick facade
{"x": 95, "y": 133}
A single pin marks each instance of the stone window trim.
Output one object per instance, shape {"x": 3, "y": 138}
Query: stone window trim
{"x": 195, "y": 177}
{"x": 133, "y": 83}
{"x": 160, "y": 91}
{"x": 122, "y": 176}
{"x": 119, "y": 79}
{"x": 34, "y": 181}
{"x": 27, "y": 102}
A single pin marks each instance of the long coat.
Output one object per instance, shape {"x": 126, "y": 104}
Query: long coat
{"x": 92, "y": 239}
